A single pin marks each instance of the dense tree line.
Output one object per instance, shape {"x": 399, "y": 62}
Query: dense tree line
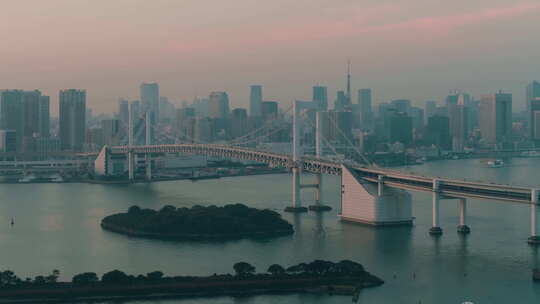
{"x": 242, "y": 270}
{"x": 235, "y": 219}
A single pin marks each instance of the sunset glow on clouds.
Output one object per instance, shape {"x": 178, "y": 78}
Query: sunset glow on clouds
{"x": 417, "y": 49}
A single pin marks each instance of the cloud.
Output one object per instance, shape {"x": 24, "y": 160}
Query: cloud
{"x": 357, "y": 23}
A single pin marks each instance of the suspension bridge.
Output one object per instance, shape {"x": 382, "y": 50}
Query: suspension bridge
{"x": 369, "y": 194}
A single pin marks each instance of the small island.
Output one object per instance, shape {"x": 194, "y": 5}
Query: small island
{"x": 321, "y": 277}
{"x": 198, "y": 223}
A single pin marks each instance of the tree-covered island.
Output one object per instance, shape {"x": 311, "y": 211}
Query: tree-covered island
{"x": 198, "y": 222}
{"x": 345, "y": 277}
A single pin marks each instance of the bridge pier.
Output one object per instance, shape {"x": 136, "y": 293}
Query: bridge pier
{"x": 435, "y": 227}
{"x": 131, "y": 173}
{"x": 534, "y": 239}
{"x": 463, "y": 228}
{"x": 296, "y": 193}
{"x": 148, "y": 162}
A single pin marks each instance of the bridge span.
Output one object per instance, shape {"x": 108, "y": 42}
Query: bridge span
{"x": 359, "y": 183}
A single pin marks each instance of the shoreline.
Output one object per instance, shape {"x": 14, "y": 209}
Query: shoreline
{"x": 222, "y": 286}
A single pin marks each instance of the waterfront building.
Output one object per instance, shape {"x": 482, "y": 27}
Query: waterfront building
{"x": 72, "y": 119}
{"x": 496, "y": 117}
{"x": 535, "y": 119}
{"x": 111, "y": 131}
{"x": 401, "y": 128}
{"x": 438, "y": 132}
{"x": 532, "y": 94}
{"x": 430, "y": 109}
{"x": 8, "y": 141}
{"x": 44, "y": 116}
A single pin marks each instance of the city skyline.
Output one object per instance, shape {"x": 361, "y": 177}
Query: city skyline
{"x": 398, "y": 54}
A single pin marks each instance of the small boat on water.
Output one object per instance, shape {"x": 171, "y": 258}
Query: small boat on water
{"x": 27, "y": 178}
{"x": 496, "y": 163}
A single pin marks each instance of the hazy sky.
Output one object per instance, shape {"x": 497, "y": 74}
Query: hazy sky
{"x": 416, "y": 49}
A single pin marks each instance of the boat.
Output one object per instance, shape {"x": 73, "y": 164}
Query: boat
{"x": 56, "y": 178}
{"x": 496, "y": 163}
{"x": 530, "y": 154}
{"x": 27, "y": 178}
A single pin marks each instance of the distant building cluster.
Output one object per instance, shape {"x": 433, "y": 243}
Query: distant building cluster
{"x": 458, "y": 124}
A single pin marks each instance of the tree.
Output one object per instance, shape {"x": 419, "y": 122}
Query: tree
{"x": 167, "y": 209}
{"x": 85, "y": 278}
{"x": 115, "y": 277}
{"x": 276, "y": 270}
{"x": 243, "y": 269}
{"x": 154, "y": 275}
{"x": 39, "y": 280}
{"x": 134, "y": 209}
{"x": 8, "y": 278}
{"x": 53, "y": 277}
{"x": 319, "y": 267}
{"x": 349, "y": 267}
{"x": 297, "y": 269}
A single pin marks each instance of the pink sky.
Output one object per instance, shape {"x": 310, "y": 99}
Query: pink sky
{"x": 417, "y": 49}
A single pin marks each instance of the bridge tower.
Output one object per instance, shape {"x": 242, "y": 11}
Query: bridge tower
{"x": 148, "y": 156}
{"x": 297, "y": 186}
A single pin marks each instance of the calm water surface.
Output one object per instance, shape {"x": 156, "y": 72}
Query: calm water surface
{"x": 57, "y": 227}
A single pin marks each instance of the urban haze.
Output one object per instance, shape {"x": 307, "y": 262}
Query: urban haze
{"x": 269, "y": 152}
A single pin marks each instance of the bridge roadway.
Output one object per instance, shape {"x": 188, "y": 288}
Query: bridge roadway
{"x": 450, "y": 188}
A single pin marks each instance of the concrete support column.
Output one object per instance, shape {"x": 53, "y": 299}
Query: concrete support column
{"x": 296, "y": 188}
{"x": 318, "y": 193}
{"x": 131, "y": 172}
{"x": 534, "y": 239}
{"x": 435, "y": 227}
{"x": 148, "y": 167}
{"x": 463, "y": 228}
{"x": 380, "y": 185}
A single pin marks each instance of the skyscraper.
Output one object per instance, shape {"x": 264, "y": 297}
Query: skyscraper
{"x": 44, "y": 117}
{"x": 150, "y": 100}
{"x": 532, "y": 93}
{"x": 239, "y": 122}
{"x": 72, "y": 119}
{"x": 340, "y": 104}
{"x": 123, "y": 111}
{"x": 11, "y": 114}
{"x": 255, "y": 100}
{"x": 320, "y": 97}
{"x": 535, "y": 119}
{"x": 366, "y": 113}
{"x": 269, "y": 110}
{"x": 218, "y": 106}
{"x": 430, "y": 109}
{"x": 496, "y": 117}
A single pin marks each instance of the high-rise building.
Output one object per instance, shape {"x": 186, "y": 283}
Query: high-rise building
{"x": 457, "y": 107}
{"x": 430, "y": 109}
{"x": 218, "y": 106}
{"x": 44, "y": 116}
{"x": 149, "y": 93}
{"x": 11, "y": 114}
{"x": 239, "y": 122}
{"x": 185, "y": 124}
{"x": 255, "y": 100}
{"x": 535, "y": 119}
{"x": 111, "y": 131}
{"x": 123, "y": 112}
{"x": 320, "y": 97}
{"x": 496, "y": 117}
{"x": 8, "y": 141}
{"x": 366, "y": 112}
{"x": 402, "y": 105}
{"x": 269, "y": 110}
{"x": 532, "y": 93}
{"x": 72, "y": 119}
{"x": 438, "y": 132}
{"x": 340, "y": 104}
{"x": 401, "y": 128}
